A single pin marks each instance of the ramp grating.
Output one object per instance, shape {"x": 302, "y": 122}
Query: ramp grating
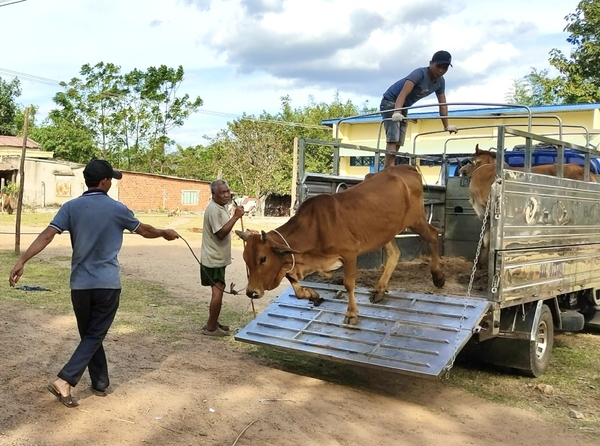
{"x": 406, "y": 332}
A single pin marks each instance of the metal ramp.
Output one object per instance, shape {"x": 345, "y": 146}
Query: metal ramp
{"x": 406, "y": 332}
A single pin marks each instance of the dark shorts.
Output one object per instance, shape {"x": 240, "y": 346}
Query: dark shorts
{"x": 395, "y": 132}
{"x": 211, "y": 276}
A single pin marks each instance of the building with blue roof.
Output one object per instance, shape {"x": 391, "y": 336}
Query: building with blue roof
{"x": 478, "y": 124}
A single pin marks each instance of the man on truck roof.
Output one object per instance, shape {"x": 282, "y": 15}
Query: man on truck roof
{"x": 408, "y": 90}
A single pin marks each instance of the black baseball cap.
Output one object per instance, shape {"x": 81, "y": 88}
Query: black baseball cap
{"x": 97, "y": 170}
{"x": 442, "y": 58}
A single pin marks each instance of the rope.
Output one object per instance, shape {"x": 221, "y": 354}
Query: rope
{"x": 231, "y": 291}
{"x": 288, "y": 245}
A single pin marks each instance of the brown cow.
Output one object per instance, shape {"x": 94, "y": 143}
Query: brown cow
{"x": 482, "y": 172}
{"x": 6, "y": 203}
{"x": 329, "y": 231}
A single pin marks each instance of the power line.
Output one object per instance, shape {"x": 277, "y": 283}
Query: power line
{"x": 12, "y": 2}
{"x": 29, "y": 77}
{"x": 109, "y": 94}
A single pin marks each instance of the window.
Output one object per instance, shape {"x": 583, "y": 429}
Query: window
{"x": 189, "y": 197}
{"x": 362, "y": 160}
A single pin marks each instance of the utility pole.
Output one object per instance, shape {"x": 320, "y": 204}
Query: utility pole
{"x": 294, "y": 175}
{"x": 21, "y": 185}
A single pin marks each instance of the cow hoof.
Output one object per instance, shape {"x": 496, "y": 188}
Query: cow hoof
{"x": 438, "y": 280}
{"x": 351, "y": 320}
{"x": 316, "y": 302}
{"x": 376, "y": 296}
{"x": 307, "y": 293}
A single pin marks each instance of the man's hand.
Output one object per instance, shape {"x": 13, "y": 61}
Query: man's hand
{"x": 170, "y": 234}
{"x": 16, "y": 273}
{"x": 451, "y": 128}
{"x": 398, "y": 117}
{"x": 238, "y": 211}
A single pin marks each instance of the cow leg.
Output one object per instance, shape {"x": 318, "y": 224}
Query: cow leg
{"x": 350, "y": 271}
{"x": 305, "y": 293}
{"x": 392, "y": 254}
{"x": 482, "y": 260}
{"x": 430, "y": 235}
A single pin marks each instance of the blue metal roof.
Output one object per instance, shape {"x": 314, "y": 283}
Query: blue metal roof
{"x": 541, "y": 109}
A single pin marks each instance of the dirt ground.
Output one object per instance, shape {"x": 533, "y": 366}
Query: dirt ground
{"x": 204, "y": 391}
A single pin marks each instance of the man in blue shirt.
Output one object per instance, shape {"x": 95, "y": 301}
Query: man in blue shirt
{"x": 95, "y": 223}
{"x": 404, "y": 93}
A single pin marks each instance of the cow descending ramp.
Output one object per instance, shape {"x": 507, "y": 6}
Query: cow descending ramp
{"x": 407, "y": 333}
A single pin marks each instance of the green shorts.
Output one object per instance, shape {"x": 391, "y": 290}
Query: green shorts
{"x": 212, "y": 276}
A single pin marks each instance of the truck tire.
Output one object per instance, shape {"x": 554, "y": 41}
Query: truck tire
{"x": 540, "y": 349}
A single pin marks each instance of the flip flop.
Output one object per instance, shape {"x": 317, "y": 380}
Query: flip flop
{"x": 221, "y": 326}
{"x": 68, "y": 401}
{"x": 216, "y": 332}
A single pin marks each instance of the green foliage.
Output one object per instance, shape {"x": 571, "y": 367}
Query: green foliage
{"x": 255, "y": 154}
{"x": 533, "y": 89}
{"x": 20, "y": 119}
{"x": 579, "y": 78}
{"x": 9, "y": 91}
{"x": 11, "y": 189}
{"x": 124, "y": 118}
{"x": 196, "y": 162}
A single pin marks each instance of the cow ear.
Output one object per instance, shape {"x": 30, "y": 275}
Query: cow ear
{"x": 263, "y": 236}
{"x": 242, "y": 234}
{"x": 283, "y": 250}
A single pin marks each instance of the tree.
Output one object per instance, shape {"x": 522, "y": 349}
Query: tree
{"x": 166, "y": 109}
{"x": 125, "y": 119}
{"x": 196, "y": 162}
{"x": 9, "y": 91}
{"x": 579, "y": 78}
{"x": 255, "y": 153}
{"x": 318, "y": 159}
{"x": 19, "y": 121}
{"x": 533, "y": 89}
{"x": 254, "y": 157}
{"x": 69, "y": 139}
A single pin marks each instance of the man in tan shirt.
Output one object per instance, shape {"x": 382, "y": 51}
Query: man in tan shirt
{"x": 215, "y": 254}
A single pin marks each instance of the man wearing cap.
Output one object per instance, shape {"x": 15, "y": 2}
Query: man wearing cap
{"x": 404, "y": 93}
{"x": 95, "y": 223}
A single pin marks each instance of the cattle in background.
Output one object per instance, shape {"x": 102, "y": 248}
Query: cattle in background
{"x": 482, "y": 171}
{"x": 6, "y": 203}
{"x": 330, "y": 231}
{"x": 175, "y": 213}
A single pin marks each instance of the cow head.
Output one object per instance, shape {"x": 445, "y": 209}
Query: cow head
{"x": 267, "y": 261}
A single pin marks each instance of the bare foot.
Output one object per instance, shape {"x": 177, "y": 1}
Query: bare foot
{"x": 62, "y": 386}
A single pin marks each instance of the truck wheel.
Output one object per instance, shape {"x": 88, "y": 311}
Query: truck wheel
{"x": 540, "y": 349}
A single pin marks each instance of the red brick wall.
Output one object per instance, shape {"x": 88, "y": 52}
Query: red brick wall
{"x": 144, "y": 192}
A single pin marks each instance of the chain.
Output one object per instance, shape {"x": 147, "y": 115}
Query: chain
{"x": 470, "y": 287}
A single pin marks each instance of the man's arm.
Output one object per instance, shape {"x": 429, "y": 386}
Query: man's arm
{"x": 227, "y": 227}
{"x": 444, "y": 112}
{"x": 406, "y": 89}
{"x": 42, "y": 240}
{"x": 149, "y": 231}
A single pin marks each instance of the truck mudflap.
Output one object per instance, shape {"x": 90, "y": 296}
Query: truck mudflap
{"x": 418, "y": 334}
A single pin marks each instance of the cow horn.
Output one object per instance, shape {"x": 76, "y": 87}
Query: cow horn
{"x": 242, "y": 234}
{"x": 263, "y": 236}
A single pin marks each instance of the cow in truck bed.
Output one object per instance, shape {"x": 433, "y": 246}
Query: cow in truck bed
{"x": 330, "y": 231}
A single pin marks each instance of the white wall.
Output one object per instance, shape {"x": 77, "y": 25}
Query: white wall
{"x": 50, "y": 183}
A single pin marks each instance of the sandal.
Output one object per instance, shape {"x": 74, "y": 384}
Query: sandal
{"x": 216, "y": 332}
{"x": 66, "y": 400}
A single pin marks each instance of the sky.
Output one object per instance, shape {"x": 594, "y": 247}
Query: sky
{"x": 242, "y": 56}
